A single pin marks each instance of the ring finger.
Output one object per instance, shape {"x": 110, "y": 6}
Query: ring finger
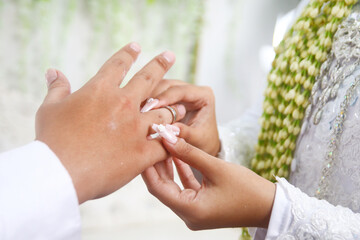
{"x": 165, "y": 115}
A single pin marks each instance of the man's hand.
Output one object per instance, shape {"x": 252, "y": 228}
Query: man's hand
{"x": 98, "y": 132}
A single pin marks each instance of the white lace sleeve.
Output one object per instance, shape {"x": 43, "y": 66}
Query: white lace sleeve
{"x": 299, "y": 216}
{"x": 238, "y": 137}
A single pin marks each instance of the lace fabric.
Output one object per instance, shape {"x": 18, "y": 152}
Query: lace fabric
{"x": 337, "y": 217}
{"x": 312, "y": 218}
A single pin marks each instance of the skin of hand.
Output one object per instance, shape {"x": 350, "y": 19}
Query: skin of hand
{"x": 229, "y": 196}
{"x": 199, "y": 126}
{"x": 98, "y": 132}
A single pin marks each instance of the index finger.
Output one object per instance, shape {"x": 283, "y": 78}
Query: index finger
{"x": 166, "y": 191}
{"x": 144, "y": 81}
{"x": 208, "y": 165}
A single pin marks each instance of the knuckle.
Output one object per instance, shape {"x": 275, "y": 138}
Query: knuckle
{"x": 97, "y": 87}
{"x": 209, "y": 90}
{"x": 151, "y": 189}
{"x": 209, "y": 93}
{"x": 118, "y": 62}
{"x": 126, "y": 102}
{"x": 146, "y": 75}
{"x": 161, "y": 117}
{"x": 194, "y": 221}
{"x": 165, "y": 84}
{"x": 175, "y": 88}
{"x": 192, "y": 227}
{"x": 60, "y": 84}
{"x": 185, "y": 148}
{"x": 162, "y": 63}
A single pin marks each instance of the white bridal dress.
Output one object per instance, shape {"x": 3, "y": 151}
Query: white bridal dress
{"x": 327, "y": 148}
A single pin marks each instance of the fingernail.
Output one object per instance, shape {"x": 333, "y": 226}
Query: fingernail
{"x": 150, "y": 104}
{"x": 168, "y": 135}
{"x": 51, "y": 76}
{"x": 169, "y": 56}
{"x": 153, "y": 136}
{"x": 181, "y": 109}
{"x": 135, "y": 46}
{"x": 174, "y": 129}
{"x": 165, "y": 132}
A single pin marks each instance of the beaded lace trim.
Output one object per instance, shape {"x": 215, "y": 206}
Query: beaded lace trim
{"x": 343, "y": 60}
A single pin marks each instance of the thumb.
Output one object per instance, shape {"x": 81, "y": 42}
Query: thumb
{"x": 205, "y": 163}
{"x": 58, "y": 86}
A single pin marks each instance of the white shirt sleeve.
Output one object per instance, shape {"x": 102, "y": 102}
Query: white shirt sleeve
{"x": 37, "y": 196}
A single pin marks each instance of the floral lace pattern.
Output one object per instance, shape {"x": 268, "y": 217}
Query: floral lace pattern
{"x": 317, "y": 219}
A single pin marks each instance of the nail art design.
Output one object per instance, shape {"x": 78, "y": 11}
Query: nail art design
{"x": 169, "y": 132}
{"x": 173, "y": 129}
{"x": 150, "y": 104}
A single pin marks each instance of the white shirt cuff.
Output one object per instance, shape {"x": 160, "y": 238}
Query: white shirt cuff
{"x": 280, "y": 217}
{"x": 37, "y": 196}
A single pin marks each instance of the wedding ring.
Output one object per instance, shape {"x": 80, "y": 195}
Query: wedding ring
{"x": 173, "y": 113}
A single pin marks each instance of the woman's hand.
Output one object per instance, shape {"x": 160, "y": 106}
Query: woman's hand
{"x": 229, "y": 196}
{"x": 199, "y": 126}
{"x": 98, "y": 132}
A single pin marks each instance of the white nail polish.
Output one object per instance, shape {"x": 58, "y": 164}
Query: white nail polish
{"x": 168, "y": 135}
{"x": 168, "y": 132}
{"x": 169, "y": 56}
{"x": 174, "y": 129}
{"x": 150, "y": 104}
{"x": 135, "y": 46}
{"x": 153, "y": 136}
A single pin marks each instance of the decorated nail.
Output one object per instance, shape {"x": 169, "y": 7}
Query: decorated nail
{"x": 153, "y": 136}
{"x": 168, "y": 132}
{"x": 174, "y": 129}
{"x": 168, "y": 135}
{"x": 150, "y": 104}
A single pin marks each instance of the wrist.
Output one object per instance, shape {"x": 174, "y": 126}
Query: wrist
{"x": 267, "y": 196}
{"x": 259, "y": 199}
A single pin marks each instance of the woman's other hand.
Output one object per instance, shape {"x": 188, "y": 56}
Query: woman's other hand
{"x": 199, "y": 126}
{"x": 98, "y": 132}
{"x": 229, "y": 196}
